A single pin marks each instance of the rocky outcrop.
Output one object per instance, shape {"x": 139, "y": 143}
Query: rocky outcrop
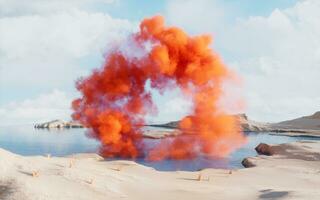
{"x": 264, "y": 149}
{"x": 304, "y": 125}
{"x": 297, "y": 152}
{"x": 155, "y": 134}
{"x": 58, "y": 124}
{"x": 247, "y": 124}
{"x": 172, "y": 125}
{"x": 248, "y": 162}
{"x": 316, "y": 115}
{"x": 252, "y": 126}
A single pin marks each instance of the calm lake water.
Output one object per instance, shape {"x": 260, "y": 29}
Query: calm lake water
{"x": 26, "y": 140}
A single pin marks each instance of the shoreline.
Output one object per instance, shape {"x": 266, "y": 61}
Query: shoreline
{"x": 294, "y": 134}
{"x": 306, "y": 125}
{"x": 294, "y": 168}
{"x": 283, "y": 132}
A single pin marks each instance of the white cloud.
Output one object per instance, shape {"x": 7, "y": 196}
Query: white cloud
{"x": 49, "y": 44}
{"x": 278, "y": 56}
{"x": 30, "y": 7}
{"x": 42, "y": 45}
{"x": 45, "y": 107}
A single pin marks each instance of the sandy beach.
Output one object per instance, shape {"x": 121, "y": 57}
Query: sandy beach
{"x": 292, "y": 172}
{"x": 159, "y": 100}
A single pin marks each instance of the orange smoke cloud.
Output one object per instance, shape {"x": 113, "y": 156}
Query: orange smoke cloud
{"x": 114, "y": 99}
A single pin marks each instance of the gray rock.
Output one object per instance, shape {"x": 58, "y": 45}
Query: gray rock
{"x": 58, "y": 124}
{"x": 247, "y": 163}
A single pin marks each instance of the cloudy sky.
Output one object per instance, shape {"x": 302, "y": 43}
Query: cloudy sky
{"x": 45, "y": 45}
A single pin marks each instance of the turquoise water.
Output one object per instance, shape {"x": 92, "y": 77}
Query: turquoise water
{"x": 26, "y": 140}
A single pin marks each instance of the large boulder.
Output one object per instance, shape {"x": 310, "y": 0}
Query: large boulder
{"x": 264, "y": 149}
{"x": 248, "y": 162}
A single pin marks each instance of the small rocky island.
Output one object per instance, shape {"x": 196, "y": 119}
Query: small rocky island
{"x": 59, "y": 124}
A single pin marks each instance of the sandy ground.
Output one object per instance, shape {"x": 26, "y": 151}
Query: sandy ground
{"x": 292, "y": 173}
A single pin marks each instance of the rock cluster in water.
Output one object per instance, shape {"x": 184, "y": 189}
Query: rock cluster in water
{"x": 58, "y": 124}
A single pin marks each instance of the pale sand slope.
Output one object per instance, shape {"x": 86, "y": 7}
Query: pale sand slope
{"x": 294, "y": 173}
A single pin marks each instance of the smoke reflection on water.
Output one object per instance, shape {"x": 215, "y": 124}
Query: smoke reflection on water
{"x": 26, "y": 140}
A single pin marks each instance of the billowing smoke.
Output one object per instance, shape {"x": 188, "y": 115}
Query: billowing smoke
{"x": 115, "y": 100}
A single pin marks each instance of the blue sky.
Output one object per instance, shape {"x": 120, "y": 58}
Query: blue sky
{"x": 137, "y": 10}
{"x": 46, "y": 45}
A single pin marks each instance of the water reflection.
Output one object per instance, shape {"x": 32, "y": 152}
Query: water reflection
{"x": 26, "y": 140}
{"x": 29, "y": 141}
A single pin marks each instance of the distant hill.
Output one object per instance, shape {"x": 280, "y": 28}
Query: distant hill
{"x": 247, "y": 124}
{"x": 311, "y": 122}
{"x": 306, "y": 124}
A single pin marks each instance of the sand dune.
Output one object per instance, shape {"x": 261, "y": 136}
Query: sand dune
{"x": 291, "y": 173}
